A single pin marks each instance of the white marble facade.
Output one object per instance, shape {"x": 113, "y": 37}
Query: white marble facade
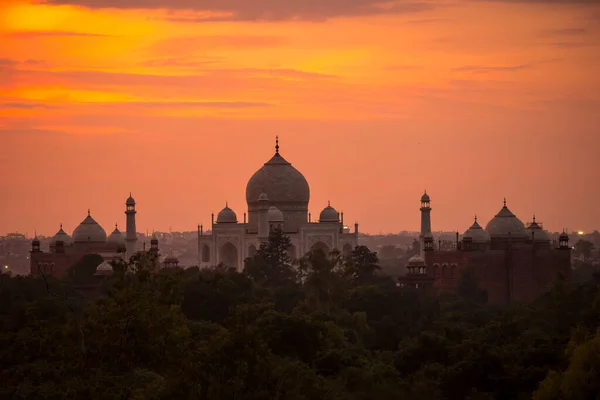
{"x": 277, "y": 196}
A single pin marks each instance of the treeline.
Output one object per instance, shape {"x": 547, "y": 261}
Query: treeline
{"x": 326, "y": 327}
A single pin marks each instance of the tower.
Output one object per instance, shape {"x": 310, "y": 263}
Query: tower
{"x": 131, "y": 235}
{"x": 425, "y": 221}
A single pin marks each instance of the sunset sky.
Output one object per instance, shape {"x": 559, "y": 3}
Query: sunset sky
{"x": 179, "y": 102}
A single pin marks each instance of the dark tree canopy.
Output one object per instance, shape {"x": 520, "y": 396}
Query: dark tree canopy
{"x": 322, "y": 327}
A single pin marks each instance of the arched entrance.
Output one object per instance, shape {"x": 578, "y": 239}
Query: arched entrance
{"x": 251, "y": 250}
{"x": 347, "y": 250}
{"x": 205, "y": 253}
{"x": 320, "y": 246}
{"x": 228, "y": 255}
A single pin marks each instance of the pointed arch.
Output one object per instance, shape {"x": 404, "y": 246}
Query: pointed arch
{"x": 251, "y": 250}
{"x": 320, "y": 246}
{"x": 347, "y": 250}
{"x": 228, "y": 255}
{"x": 205, "y": 253}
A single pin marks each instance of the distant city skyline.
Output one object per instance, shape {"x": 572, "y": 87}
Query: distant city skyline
{"x": 179, "y": 103}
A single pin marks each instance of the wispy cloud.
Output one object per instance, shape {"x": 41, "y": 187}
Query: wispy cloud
{"x": 36, "y": 34}
{"x": 265, "y": 10}
{"x": 477, "y": 69}
{"x": 25, "y": 106}
{"x": 565, "y": 32}
{"x": 199, "y": 104}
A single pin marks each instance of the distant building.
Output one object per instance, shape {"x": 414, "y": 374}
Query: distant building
{"x": 88, "y": 238}
{"x": 277, "y": 196}
{"x": 511, "y": 261}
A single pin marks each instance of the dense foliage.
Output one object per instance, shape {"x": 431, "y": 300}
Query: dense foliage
{"x": 326, "y": 327}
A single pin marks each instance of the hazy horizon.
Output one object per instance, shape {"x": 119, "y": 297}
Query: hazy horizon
{"x": 472, "y": 100}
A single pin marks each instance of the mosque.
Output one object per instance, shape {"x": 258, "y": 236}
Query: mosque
{"x": 88, "y": 238}
{"x": 277, "y": 196}
{"x": 512, "y": 261}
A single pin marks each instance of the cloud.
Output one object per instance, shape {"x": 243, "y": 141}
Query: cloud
{"x": 36, "y": 34}
{"x": 197, "y": 104}
{"x": 24, "y": 106}
{"x": 266, "y": 10}
{"x": 185, "y": 63}
{"x": 565, "y": 32}
{"x": 203, "y": 43}
{"x": 478, "y": 69}
{"x": 547, "y": 2}
{"x": 403, "y": 67}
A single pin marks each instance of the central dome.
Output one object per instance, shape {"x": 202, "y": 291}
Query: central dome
{"x": 89, "y": 231}
{"x": 284, "y": 185}
{"x": 506, "y": 224}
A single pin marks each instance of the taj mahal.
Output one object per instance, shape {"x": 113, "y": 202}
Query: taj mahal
{"x": 277, "y": 196}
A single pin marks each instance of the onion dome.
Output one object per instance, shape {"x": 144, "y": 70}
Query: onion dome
{"x": 476, "y": 233}
{"x": 130, "y": 201}
{"x": 104, "y": 269}
{"x": 425, "y": 198}
{"x": 116, "y": 238}
{"x": 506, "y": 224}
{"x": 227, "y": 216}
{"x": 329, "y": 214}
{"x": 539, "y": 234}
{"x": 283, "y": 183}
{"x": 61, "y": 236}
{"x": 89, "y": 231}
{"x": 416, "y": 261}
{"x": 275, "y": 214}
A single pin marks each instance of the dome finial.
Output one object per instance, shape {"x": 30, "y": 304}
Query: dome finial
{"x": 475, "y": 217}
{"x": 277, "y": 144}
{"x": 88, "y": 212}
{"x": 505, "y": 202}
{"x": 226, "y": 204}
{"x": 328, "y": 203}
{"x": 61, "y": 225}
{"x": 116, "y": 225}
{"x": 533, "y": 217}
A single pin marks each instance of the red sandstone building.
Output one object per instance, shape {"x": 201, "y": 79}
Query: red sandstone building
{"x": 88, "y": 238}
{"x": 511, "y": 261}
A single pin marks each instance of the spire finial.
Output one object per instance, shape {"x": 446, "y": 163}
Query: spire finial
{"x": 533, "y": 217}
{"x": 475, "y": 217}
{"x": 277, "y": 144}
{"x": 328, "y": 203}
{"x": 129, "y": 194}
{"x": 88, "y": 212}
{"x": 505, "y": 202}
{"x": 61, "y": 225}
{"x": 226, "y": 204}
{"x": 116, "y": 227}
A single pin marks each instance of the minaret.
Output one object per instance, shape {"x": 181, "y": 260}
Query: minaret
{"x": 130, "y": 235}
{"x": 425, "y": 221}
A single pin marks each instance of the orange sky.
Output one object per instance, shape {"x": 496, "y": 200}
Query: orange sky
{"x": 374, "y": 101}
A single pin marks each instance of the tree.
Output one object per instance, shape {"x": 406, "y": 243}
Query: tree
{"x": 271, "y": 265}
{"x": 361, "y": 265}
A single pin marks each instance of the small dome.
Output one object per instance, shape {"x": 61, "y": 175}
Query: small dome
{"x": 61, "y": 236}
{"x": 329, "y": 214}
{"x": 539, "y": 234}
{"x": 227, "y": 216}
{"x": 89, "y": 231}
{"x": 505, "y": 223}
{"x": 130, "y": 201}
{"x": 476, "y": 233}
{"x": 425, "y": 198}
{"x": 416, "y": 261}
{"x": 263, "y": 197}
{"x": 116, "y": 238}
{"x": 35, "y": 240}
{"x": 275, "y": 214}
{"x": 104, "y": 269}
